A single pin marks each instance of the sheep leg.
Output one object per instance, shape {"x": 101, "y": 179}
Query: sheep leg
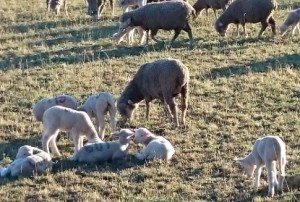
{"x": 48, "y": 2}
{"x": 257, "y": 174}
{"x": 76, "y": 140}
{"x": 101, "y": 124}
{"x": 147, "y": 109}
{"x": 112, "y": 117}
{"x": 47, "y": 135}
{"x": 282, "y": 162}
{"x": 215, "y": 13}
{"x": 244, "y": 29}
{"x": 264, "y": 25}
{"x": 171, "y": 108}
{"x": 176, "y": 34}
{"x": 188, "y": 29}
{"x": 271, "y": 177}
{"x": 273, "y": 25}
{"x": 53, "y": 145}
{"x": 111, "y": 2}
{"x": 65, "y": 7}
{"x": 153, "y": 33}
{"x": 184, "y": 104}
{"x": 237, "y": 30}
{"x": 294, "y": 27}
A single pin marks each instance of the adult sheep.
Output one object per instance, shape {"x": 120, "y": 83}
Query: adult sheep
{"x": 161, "y": 79}
{"x": 247, "y": 11}
{"x": 168, "y": 15}
{"x": 213, "y": 4}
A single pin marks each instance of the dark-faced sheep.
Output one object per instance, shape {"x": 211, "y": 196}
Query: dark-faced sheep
{"x": 169, "y": 15}
{"x": 213, "y": 4}
{"x": 95, "y": 8}
{"x": 55, "y": 5}
{"x": 247, "y": 11}
{"x": 162, "y": 79}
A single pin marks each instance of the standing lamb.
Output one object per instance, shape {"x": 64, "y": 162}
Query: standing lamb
{"x": 162, "y": 79}
{"x": 62, "y": 118}
{"x": 104, "y": 151}
{"x": 247, "y": 11}
{"x": 266, "y": 151}
{"x": 125, "y": 4}
{"x": 156, "y": 146}
{"x": 95, "y": 8}
{"x": 29, "y": 160}
{"x": 129, "y": 32}
{"x": 42, "y": 105}
{"x": 55, "y": 5}
{"x": 213, "y": 4}
{"x": 97, "y": 106}
{"x": 169, "y": 15}
{"x": 293, "y": 20}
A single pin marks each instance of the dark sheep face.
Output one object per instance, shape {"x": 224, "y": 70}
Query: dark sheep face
{"x": 93, "y": 9}
{"x": 221, "y": 28}
{"x": 126, "y": 110}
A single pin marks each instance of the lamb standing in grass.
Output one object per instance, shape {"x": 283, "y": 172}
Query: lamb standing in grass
{"x": 29, "y": 160}
{"x": 213, "y": 4}
{"x": 97, "y": 106}
{"x": 156, "y": 146}
{"x": 104, "y": 151}
{"x": 169, "y": 15}
{"x": 293, "y": 20}
{"x": 247, "y": 11}
{"x": 266, "y": 151}
{"x": 42, "y": 105}
{"x": 55, "y": 5}
{"x": 62, "y": 118}
{"x": 162, "y": 79}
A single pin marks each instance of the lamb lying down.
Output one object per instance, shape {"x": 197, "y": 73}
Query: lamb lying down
{"x": 104, "y": 151}
{"x": 266, "y": 151}
{"x": 156, "y": 146}
{"x": 29, "y": 160}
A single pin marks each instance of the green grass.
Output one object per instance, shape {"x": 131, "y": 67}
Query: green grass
{"x": 240, "y": 89}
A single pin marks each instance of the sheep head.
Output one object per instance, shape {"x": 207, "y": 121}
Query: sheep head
{"x": 24, "y": 151}
{"x": 124, "y": 22}
{"x": 141, "y": 135}
{"x": 93, "y": 9}
{"x": 126, "y": 109}
{"x": 124, "y": 135}
{"x": 221, "y": 27}
{"x": 247, "y": 168}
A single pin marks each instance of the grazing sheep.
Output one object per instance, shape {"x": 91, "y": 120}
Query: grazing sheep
{"x": 29, "y": 160}
{"x": 213, "y": 4}
{"x": 169, "y": 15}
{"x": 293, "y": 20}
{"x": 97, "y": 106}
{"x": 266, "y": 151}
{"x": 42, "y": 105}
{"x": 55, "y": 5}
{"x": 104, "y": 151}
{"x": 156, "y": 146}
{"x": 162, "y": 79}
{"x": 247, "y": 11}
{"x": 95, "y": 8}
{"x": 62, "y": 118}
{"x": 129, "y": 32}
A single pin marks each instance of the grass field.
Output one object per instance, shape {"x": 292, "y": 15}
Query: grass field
{"x": 240, "y": 89}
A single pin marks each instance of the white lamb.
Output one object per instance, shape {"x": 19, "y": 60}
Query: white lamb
{"x": 97, "y": 106}
{"x": 293, "y": 20}
{"x": 104, "y": 151}
{"x": 125, "y": 4}
{"x": 266, "y": 151}
{"x": 42, "y": 105}
{"x": 156, "y": 146}
{"x": 29, "y": 160}
{"x": 62, "y": 118}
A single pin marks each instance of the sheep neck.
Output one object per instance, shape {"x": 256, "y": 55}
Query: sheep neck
{"x": 148, "y": 140}
{"x": 133, "y": 93}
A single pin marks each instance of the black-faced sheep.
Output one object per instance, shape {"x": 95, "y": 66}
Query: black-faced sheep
{"x": 97, "y": 106}
{"x": 213, "y": 4}
{"x": 169, "y": 15}
{"x": 266, "y": 151}
{"x": 104, "y": 151}
{"x": 293, "y": 20}
{"x": 76, "y": 122}
{"x": 162, "y": 79}
{"x": 95, "y": 8}
{"x": 247, "y": 11}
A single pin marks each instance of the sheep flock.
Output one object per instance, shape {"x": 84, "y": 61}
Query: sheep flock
{"x": 102, "y": 127}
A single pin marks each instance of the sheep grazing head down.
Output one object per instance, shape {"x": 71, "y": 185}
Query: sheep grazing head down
{"x": 124, "y": 22}
{"x": 221, "y": 27}
{"x": 248, "y": 169}
{"x": 141, "y": 135}
{"x": 93, "y": 9}
{"x": 126, "y": 109}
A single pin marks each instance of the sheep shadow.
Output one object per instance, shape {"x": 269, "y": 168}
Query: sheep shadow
{"x": 272, "y": 63}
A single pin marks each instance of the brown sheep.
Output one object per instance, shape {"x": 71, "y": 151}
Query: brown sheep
{"x": 162, "y": 79}
{"x": 248, "y": 11}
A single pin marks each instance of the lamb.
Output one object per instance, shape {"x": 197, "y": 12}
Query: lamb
{"x": 97, "y": 106}
{"x": 266, "y": 151}
{"x": 129, "y": 32}
{"x": 104, "y": 151}
{"x": 29, "y": 160}
{"x": 168, "y": 15}
{"x": 55, "y": 5}
{"x": 162, "y": 79}
{"x": 247, "y": 11}
{"x": 42, "y": 105}
{"x": 213, "y": 4}
{"x": 157, "y": 147}
{"x": 125, "y": 4}
{"x": 62, "y": 118}
{"x": 95, "y": 8}
{"x": 293, "y": 20}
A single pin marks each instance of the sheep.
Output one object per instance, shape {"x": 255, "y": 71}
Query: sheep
{"x": 213, "y": 4}
{"x": 29, "y": 160}
{"x": 97, "y": 106}
{"x": 162, "y": 79}
{"x": 156, "y": 146}
{"x": 129, "y": 32}
{"x": 55, "y": 5}
{"x": 293, "y": 20}
{"x": 168, "y": 15}
{"x": 42, "y": 105}
{"x": 95, "y": 8}
{"x": 247, "y": 11}
{"x": 104, "y": 151}
{"x": 125, "y": 4}
{"x": 266, "y": 151}
{"x": 62, "y": 118}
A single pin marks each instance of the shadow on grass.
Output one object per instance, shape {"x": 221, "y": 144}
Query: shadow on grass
{"x": 291, "y": 60}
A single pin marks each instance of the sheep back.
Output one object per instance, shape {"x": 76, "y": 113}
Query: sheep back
{"x": 206, "y": 4}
